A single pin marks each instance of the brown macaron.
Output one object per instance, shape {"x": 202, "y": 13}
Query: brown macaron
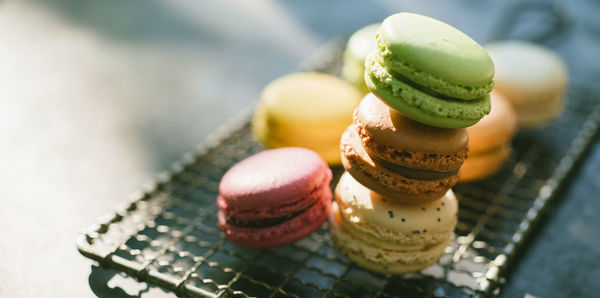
{"x": 400, "y": 158}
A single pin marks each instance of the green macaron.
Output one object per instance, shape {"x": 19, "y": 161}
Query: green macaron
{"x": 359, "y": 45}
{"x": 430, "y": 71}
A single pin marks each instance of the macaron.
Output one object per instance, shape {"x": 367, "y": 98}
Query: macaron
{"x": 274, "y": 198}
{"x": 309, "y": 110}
{"x": 489, "y": 140}
{"x": 359, "y": 45}
{"x": 532, "y": 78}
{"x": 430, "y": 71}
{"x": 399, "y": 158}
{"x": 386, "y": 236}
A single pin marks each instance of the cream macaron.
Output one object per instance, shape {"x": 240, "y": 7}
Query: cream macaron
{"x": 387, "y": 236}
{"x": 532, "y": 78}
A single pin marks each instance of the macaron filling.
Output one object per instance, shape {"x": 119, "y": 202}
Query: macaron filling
{"x": 392, "y": 157}
{"x": 281, "y": 234}
{"x": 291, "y": 206}
{"x": 401, "y": 243}
{"x": 387, "y": 182}
{"x": 265, "y": 222}
{"x": 413, "y": 173}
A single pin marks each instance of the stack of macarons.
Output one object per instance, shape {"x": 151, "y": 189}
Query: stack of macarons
{"x": 394, "y": 211}
{"x": 309, "y": 110}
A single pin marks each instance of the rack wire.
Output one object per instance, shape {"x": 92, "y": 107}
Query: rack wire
{"x": 167, "y": 234}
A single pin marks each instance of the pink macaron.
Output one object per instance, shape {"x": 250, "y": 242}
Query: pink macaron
{"x": 274, "y": 198}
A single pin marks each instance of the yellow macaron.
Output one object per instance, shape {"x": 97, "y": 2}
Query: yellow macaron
{"x": 489, "y": 140}
{"x": 532, "y": 78}
{"x": 309, "y": 110}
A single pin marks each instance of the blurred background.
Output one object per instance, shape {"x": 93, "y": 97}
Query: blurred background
{"x": 98, "y": 96}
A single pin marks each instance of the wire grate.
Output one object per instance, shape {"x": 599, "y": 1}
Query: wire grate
{"x": 167, "y": 233}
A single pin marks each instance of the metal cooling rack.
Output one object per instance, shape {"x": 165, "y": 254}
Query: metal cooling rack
{"x": 167, "y": 234}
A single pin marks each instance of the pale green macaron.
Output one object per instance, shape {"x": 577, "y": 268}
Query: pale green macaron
{"x": 430, "y": 71}
{"x": 359, "y": 45}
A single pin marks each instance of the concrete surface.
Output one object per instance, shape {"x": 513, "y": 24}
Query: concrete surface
{"x": 97, "y": 96}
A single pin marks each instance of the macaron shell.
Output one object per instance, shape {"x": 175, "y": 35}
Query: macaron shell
{"x": 310, "y": 98}
{"x": 385, "y": 182}
{"x": 320, "y": 139}
{"x": 388, "y": 136}
{"x": 357, "y": 48}
{"x": 436, "y": 48}
{"x": 273, "y": 178}
{"x": 377, "y": 259}
{"x": 266, "y": 125}
{"x": 309, "y": 110}
{"x": 524, "y": 66}
{"x": 495, "y": 129}
{"x": 390, "y": 128}
{"x": 424, "y": 161}
{"x": 392, "y": 221}
{"x": 530, "y": 100}
{"x": 532, "y": 117}
{"x": 287, "y": 232}
{"x": 420, "y": 106}
{"x": 532, "y": 78}
{"x": 316, "y": 133}
{"x": 362, "y": 42}
{"x": 484, "y": 164}
{"x": 353, "y": 72}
